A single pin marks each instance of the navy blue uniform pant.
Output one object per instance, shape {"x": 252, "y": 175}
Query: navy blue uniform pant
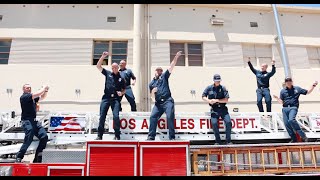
{"x": 292, "y": 126}
{"x": 222, "y": 112}
{"x": 130, "y": 98}
{"x": 33, "y": 128}
{"x": 159, "y": 108}
{"x": 264, "y": 93}
{"x": 104, "y": 107}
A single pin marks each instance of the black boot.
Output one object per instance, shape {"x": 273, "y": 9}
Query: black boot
{"x": 150, "y": 139}
{"x": 116, "y": 138}
{"x": 37, "y": 159}
{"x": 98, "y": 138}
{"x": 18, "y": 160}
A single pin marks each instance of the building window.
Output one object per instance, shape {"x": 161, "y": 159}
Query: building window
{"x": 118, "y": 51}
{"x": 258, "y": 53}
{"x": 174, "y": 48}
{"x": 5, "y": 46}
{"x": 191, "y": 53}
{"x": 314, "y": 56}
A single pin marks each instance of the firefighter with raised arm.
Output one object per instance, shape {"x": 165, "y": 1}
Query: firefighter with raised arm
{"x": 289, "y": 98}
{"x": 115, "y": 87}
{"x": 30, "y": 125}
{"x": 263, "y": 78}
{"x": 164, "y": 103}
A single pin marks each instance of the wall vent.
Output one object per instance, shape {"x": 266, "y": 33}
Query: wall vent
{"x": 111, "y": 19}
{"x": 253, "y": 24}
{"x": 216, "y": 21}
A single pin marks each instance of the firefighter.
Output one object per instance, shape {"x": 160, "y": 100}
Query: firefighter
{"x": 289, "y": 98}
{"x": 30, "y": 126}
{"x": 263, "y": 78}
{"x": 217, "y": 96}
{"x": 164, "y": 103}
{"x": 115, "y": 87}
{"x": 127, "y": 74}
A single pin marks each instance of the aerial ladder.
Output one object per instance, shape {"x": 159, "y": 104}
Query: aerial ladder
{"x": 249, "y": 159}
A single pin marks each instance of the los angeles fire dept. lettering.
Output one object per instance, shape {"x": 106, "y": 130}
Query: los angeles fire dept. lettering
{"x": 187, "y": 123}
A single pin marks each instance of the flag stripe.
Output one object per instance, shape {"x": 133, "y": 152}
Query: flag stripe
{"x": 66, "y": 123}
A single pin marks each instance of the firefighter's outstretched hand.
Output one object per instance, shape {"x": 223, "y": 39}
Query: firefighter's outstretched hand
{"x": 315, "y": 83}
{"x": 179, "y": 53}
{"x": 105, "y": 54}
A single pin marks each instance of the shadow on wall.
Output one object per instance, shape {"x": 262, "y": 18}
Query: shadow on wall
{"x": 221, "y": 37}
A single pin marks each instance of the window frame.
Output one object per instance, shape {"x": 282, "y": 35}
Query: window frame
{"x": 311, "y": 60}
{"x": 186, "y": 51}
{"x": 255, "y": 60}
{"x": 110, "y": 42}
{"x": 317, "y": 48}
{"x": 6, "y": 59}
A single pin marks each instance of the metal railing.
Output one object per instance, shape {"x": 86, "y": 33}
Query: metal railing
{"x": 271, "y": 126}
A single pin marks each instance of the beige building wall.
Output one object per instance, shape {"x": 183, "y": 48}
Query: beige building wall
{"x": 53, "y": 45}
{"x": 192, "y": 23}
{"x": 64, "y": 21}
{"x": 222, "y": 55}
{"x": 51, "y": 51}
{"x": 223, "y": 51}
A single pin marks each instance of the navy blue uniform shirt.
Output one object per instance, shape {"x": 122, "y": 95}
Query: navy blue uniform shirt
{"x": 28, "y": 106}
{"x": 162, "y": 85}
{"x": 127, "y": 74}
{"x": 262, "y": 77}
{"x": 113, "y": 83}
{"x": 290, "y": 97}
{"x": 218, "y": 92}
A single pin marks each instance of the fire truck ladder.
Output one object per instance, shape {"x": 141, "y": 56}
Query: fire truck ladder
{"x": 250, "y": 159}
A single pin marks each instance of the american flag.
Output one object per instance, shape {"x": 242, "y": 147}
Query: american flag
{"x": 59, "y": 123}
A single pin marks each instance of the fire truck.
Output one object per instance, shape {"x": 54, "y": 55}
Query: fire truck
{"x": 260, "y": 146}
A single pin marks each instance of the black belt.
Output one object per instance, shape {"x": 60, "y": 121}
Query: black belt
{"x": 162, "y": 99}
{"x": 114, "y": 96}
{"x": 111, "y": 96}
{"x": 218, "y": 106}
{"x": 29, "y": 119}
{"x": 262, "y": 87}
{"x": 290, "y": 106}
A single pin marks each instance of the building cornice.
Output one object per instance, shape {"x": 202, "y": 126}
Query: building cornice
{"x": 262, "y": 7}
